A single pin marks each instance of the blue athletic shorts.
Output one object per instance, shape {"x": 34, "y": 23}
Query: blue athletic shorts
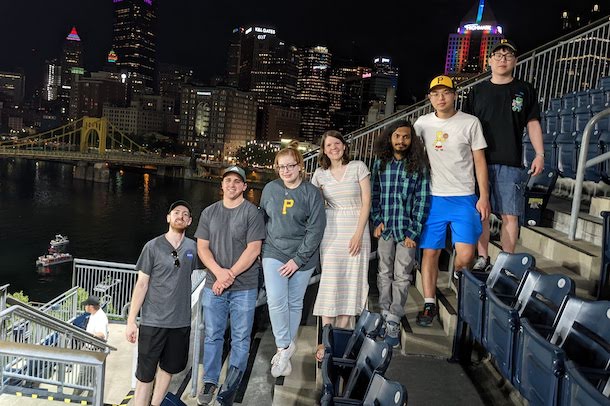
{"x": 506, "y": 189}
{"x": 460, "y": 213}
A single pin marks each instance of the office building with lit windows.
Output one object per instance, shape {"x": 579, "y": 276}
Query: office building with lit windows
{"x": 71, "y": 68}
{"x": 313, "y": 95}
{"x": 134, "y": 42}
{"x": 12, "y": 87}
{"x": 468, "y": 49}
{"x": 215, "y": 121}
{"x": 52, "y": 80}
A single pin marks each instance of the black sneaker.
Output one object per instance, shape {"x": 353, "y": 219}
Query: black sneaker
{"x": 427, "y": 315}
{"x": 482, "y": 264}
{"x": 206, "y": 395}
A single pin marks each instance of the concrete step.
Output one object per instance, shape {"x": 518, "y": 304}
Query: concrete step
{"x": 415, "y": 339}
{"x": 299, "y": 388}
{"x": 446, "y": 301}
{"x": 589, "y": 226}
{"x": 584, "y": 287}
{"x": 580, "y": 257}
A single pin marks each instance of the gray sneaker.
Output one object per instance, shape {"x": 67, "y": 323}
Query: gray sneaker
{"x": 482, "y": 264}
{"x": 206, "y": 394}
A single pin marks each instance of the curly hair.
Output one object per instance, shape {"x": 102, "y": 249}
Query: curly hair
{"x": 415, "y": 158}
{"x": 323, "y": 160}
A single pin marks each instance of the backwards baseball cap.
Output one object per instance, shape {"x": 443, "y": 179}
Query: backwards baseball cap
{"x": 235, "y": 169}
{"x": 180, "y": 203}
{"x": 442, "y": 80}
{"x": 504, "y": 43}
{"x": 91, "y": 300}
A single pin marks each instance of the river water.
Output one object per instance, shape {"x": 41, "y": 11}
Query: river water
{"x": 104, "y": 221}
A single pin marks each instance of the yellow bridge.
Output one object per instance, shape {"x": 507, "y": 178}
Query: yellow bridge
{"x": 88, "y": 139}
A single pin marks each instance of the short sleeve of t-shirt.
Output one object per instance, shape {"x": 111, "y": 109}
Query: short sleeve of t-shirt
{"x": 315, "y": 179}
{"x": 477, "y": 139}
{"x": 145, "y": 261}
{"x": 361, "y": 170}
{"x": 256, "y": 224}
{"x": 203, "y": 229}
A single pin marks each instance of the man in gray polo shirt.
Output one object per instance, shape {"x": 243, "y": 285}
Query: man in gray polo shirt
{"x": 229, "y": 240}
{"x": 163, "y": 292}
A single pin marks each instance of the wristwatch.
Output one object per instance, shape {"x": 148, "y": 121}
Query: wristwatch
{"x": 540, "y": 154}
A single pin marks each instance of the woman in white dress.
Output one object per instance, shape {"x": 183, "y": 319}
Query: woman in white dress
{"x": 346, "y": 245}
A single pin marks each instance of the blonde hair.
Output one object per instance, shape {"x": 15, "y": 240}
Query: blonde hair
{"x": 292, "y": 150}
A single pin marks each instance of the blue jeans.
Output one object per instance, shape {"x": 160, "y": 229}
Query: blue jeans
{"x": 285, "y": 300}
{"x": 240, "y": 306}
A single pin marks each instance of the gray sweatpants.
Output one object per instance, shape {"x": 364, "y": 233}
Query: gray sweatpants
{"x": 394, "y": 275}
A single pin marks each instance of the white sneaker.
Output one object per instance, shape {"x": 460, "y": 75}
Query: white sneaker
{"x": 280, "y": 363}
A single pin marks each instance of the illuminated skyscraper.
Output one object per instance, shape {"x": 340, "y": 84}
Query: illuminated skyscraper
{"x": 313, "y": 92}
{"x": 52, "y": 80}
{"x": 71, "y": 64}
{"x": 134, "y": 41}
{"x": 468, "y": 49}
{"x": 267, "y": 66}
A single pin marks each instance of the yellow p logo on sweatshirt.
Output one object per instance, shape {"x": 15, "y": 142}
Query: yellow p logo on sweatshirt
{"x": 288, "y": 203}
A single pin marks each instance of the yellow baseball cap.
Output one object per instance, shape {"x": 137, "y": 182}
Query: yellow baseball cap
{"x": 442, "y": 80}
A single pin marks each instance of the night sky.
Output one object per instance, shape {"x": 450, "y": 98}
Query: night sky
{"x": 196, "y": 32}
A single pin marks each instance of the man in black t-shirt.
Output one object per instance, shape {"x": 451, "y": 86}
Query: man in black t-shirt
{"x": 505, "y": 106}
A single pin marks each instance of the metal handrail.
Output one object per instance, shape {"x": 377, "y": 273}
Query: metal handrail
{"x": 583, "y": 164}
{"x": 33, "y": 314}
{"x": 3, "y": 295}
{"x": 27, "y": 353}
{"x": 68, "y": 300}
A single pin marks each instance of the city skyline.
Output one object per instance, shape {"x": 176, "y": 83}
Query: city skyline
{"x": 196, "y": 36}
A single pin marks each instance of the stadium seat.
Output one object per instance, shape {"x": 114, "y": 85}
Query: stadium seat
{"x": 603, "y": 139}
{"x": 555, "y": 104}
{"x": 582, "y": 114}
{"x": 566, "y": 151}
{"x": 539, "y": 299}
{"x": 538, "y": 367}
{"x": 537, "y": 192}
{"x": 567, "y": 120}
{"x": 592, "y": 173}
{"x": 346, "y": 343}
{"x": 551, "y": 121}
{"x": 583, "y": 98}
{"x": 374, "y": 357}
{"x": 382, "y": 392}
{"x": 576, "y": 390}
{"x": 568, "y": 100}
{"x": 603, "y": 287}
{"x": 604, "y": 83}
{"x": 505, "y": 279}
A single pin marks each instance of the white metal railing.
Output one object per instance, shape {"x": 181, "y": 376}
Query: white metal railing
{"x": 570, "y": 63}
{"x": 113, "y": 282}
{"x": 583, "y": 164}
{"x": 24, "y": 367}
{"x": 3, "y": 295}
{"x": 64, "y": 307}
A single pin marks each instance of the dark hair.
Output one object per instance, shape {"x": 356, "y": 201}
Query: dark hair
{"x": 415, "y": 157}
{"x": 323, "y": 160}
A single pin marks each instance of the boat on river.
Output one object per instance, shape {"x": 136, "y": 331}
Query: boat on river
{"x": 53, "y": 259}
{"x": 60, "y": 241}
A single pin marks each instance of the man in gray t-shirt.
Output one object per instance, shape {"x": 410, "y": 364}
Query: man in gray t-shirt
{"x": 229, "y": 240}
{"x": 162, "y": 292}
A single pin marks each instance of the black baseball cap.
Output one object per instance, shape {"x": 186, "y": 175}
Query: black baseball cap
{"x": 504, "y": 43}
{"x": 91, "y": 300}
{"x": 180, "y": 203}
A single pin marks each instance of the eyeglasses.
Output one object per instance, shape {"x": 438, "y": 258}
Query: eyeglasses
{"x": 176, "y": 260}
{"x": 445, "y": 93}
{"x": 288, "y": 167}
{"x": 507, "y": 57}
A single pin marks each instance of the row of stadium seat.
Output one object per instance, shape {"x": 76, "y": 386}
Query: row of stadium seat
{"x": 563, "y": 125}
{"x": 354, "y": 365}
{"x": 552, "y": 346}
